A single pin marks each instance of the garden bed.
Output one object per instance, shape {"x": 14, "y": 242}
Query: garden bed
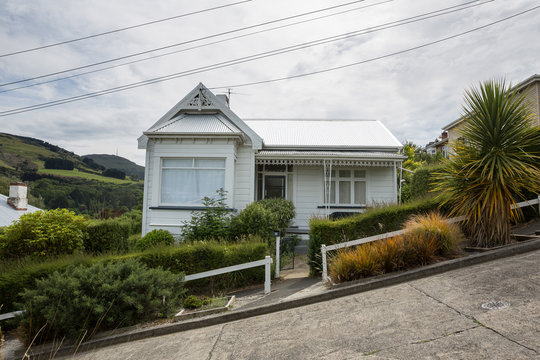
{"x": 216, "y": 306}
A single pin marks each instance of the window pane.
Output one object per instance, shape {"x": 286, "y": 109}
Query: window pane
{"x": 344, "y": 173}
{"x": 210, "y": 163}
{"x": 178, "y": 186}
{"x": 208, "y": 182}
{"x": 344, "y": 192}
{"x": 332, "y": 192}
{"x": 178, "y": 163}
{"x": 359, "y": 173}
{"x": 333, "y": 173}
{"x": 359, "y": 192}
{"x": 289, "y": 187}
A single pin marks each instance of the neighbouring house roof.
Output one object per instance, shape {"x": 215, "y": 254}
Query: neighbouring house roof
{"x": 196, "y": 124}
{"x": 8, "y": 214}
{"x": 324, "y": 134}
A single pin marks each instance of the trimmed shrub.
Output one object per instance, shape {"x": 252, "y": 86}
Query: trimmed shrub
{"x": 374, "y": 221}
{"x": 16, "y": 275}
{"x": 44, "y": 233}
{"x": 134, "y": 218}
{"x": 257, "y": 220}
{"x": 282, "y": 209}
{"x": 85, "y": 299}
{"x": 155, "y": 238}
{"x": 426, "y": 239}
{"x": 110, "y": 235}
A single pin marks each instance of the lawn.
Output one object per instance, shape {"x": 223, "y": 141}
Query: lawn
{"x": 84, "y": 175}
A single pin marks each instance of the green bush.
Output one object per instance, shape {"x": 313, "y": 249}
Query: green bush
{"x": 134, "y": 218}
{"x": 372, "y": 222}
{"x": 212, "y": 223}
{"x": 44, "y": 233}
{"x": 257, "y": 220}
{"x": 282, "y": 209}
{"x": 110, "y": 235}
{"x": 17, "y": 275}
{"x": 85, "y": 299}
{"x": 421, "y": 181}
{"x": 155, "y": 238}
{"x": 192, "y": 302}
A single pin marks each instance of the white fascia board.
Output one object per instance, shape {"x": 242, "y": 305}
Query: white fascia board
{"x": 398, "y": 143}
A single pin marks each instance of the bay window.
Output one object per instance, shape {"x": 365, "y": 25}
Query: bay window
{"x": 186, "y": 181}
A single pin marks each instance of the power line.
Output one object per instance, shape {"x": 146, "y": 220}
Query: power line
{"x": 123, "y": 29}
{"x": 130, "y": 86}
{"x": 195, "y": 47}
{"x": 182, "y": 43}
{"x": 318, "y": 42}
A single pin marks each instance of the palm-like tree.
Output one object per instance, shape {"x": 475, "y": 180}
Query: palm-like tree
{"x": 497, "y": 158}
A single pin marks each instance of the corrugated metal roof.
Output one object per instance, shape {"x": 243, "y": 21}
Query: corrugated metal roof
{"x": 197, "y": 124}
{"x": 329, "y": 154}
{"x": 9, "y": 214}
{"x": 368, "y": 134}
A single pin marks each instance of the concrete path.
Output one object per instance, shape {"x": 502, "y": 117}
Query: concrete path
{"x": 440, "y": 317}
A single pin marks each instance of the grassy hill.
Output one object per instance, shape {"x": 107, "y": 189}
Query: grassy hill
{"x": 82, "y": 187}
{"x": 117, "y": 162}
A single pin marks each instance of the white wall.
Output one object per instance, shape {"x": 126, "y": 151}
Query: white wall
{"x": 244, "y": 183}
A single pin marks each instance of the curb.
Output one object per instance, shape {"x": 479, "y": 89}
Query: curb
{"x": 335, "y": 292}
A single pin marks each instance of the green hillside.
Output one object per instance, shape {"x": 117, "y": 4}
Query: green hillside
{"x": 69, "y": 181}
{"x": 117, "y": 162}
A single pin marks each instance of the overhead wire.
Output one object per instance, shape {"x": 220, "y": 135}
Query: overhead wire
{"x": 196, "y": 47}
{"x": 184, "y": 43}
{"x": 122, "y": 29}
{"x": 130, "y": 86}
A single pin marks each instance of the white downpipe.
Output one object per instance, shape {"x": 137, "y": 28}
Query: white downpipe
{"x": 278, "y": 240}
{"x": 267, "y": 271}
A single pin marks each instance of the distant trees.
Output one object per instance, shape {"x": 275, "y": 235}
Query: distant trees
{"x": 57, "y": 163}
{"x": 114, "y": 173}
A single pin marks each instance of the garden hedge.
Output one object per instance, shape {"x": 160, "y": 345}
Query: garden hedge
{"x": 374, "y": 221}
{"x": 190, "y": 259}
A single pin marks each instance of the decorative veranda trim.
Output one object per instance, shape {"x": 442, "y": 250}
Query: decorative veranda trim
{"x": 320, "y": 162}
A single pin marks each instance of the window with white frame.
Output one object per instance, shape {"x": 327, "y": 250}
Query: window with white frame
{"x": 347, "y": 187}
{"x": 186, "y": 181}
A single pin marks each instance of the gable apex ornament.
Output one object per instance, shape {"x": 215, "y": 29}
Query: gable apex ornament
{"x": 200, "y": 100}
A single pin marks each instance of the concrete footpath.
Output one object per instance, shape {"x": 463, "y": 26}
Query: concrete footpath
{"x": 453, "y": 315}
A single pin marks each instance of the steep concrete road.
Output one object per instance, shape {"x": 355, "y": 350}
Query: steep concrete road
{"x": 440, "y": 317}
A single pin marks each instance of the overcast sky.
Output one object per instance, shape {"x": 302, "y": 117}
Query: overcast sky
{"x": 414, "y": 93}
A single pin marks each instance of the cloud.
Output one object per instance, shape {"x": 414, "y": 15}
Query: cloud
{"x": 414, "y": 94}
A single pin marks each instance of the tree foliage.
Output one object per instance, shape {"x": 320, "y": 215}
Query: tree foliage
{"x": 496, "y": 160}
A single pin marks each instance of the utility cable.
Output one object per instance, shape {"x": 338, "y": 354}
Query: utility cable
{"x": 194, "y": 47}
{"x": 122, "y": 29}
{"x": 130, "y": 86}
{"x": 183, "y": 43}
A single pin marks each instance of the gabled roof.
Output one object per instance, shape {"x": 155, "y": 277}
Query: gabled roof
{"x": 324, "y": 134}
{"x": 197, "y": 124}
{"x": 8, "y": 214}
{"x": 200, "y": 102}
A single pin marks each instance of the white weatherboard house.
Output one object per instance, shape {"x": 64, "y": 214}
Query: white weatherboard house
{"x": 322, "y": 166}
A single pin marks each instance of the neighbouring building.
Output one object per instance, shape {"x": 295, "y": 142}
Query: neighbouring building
{"x": 15, "y": 205}
{"x": 323, "y": 166}
{"x": 439, "y": 145}
{"x": 530, "y": 88}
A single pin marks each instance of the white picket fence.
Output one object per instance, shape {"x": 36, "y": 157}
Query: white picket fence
{"x": 325, "y": 249}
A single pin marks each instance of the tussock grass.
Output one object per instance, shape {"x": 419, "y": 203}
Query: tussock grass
{"x": 427, "y": 238}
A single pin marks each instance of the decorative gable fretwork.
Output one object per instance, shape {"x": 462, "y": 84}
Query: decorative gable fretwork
{"x": 320, "y": 162}
{"x": 200, "y": 101}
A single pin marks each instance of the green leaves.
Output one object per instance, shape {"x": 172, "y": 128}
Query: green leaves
{"x": 496, "y": 160}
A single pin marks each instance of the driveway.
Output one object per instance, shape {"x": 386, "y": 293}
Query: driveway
{"x": 440, "y": 317}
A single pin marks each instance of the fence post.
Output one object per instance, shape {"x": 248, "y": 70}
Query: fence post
{"x": 324, "y": 268}
{"x": 267, "y": 274}
{"x": 278, "y": 241}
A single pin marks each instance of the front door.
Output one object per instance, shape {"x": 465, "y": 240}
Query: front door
{"x": 274, "y": 186}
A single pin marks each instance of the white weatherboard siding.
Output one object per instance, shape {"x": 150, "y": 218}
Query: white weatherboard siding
{"x": 244, "y": 177}
{"x": 381, "y": 188}
{"x": 309, "y": 190}
{"x": 171, "y": 220}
